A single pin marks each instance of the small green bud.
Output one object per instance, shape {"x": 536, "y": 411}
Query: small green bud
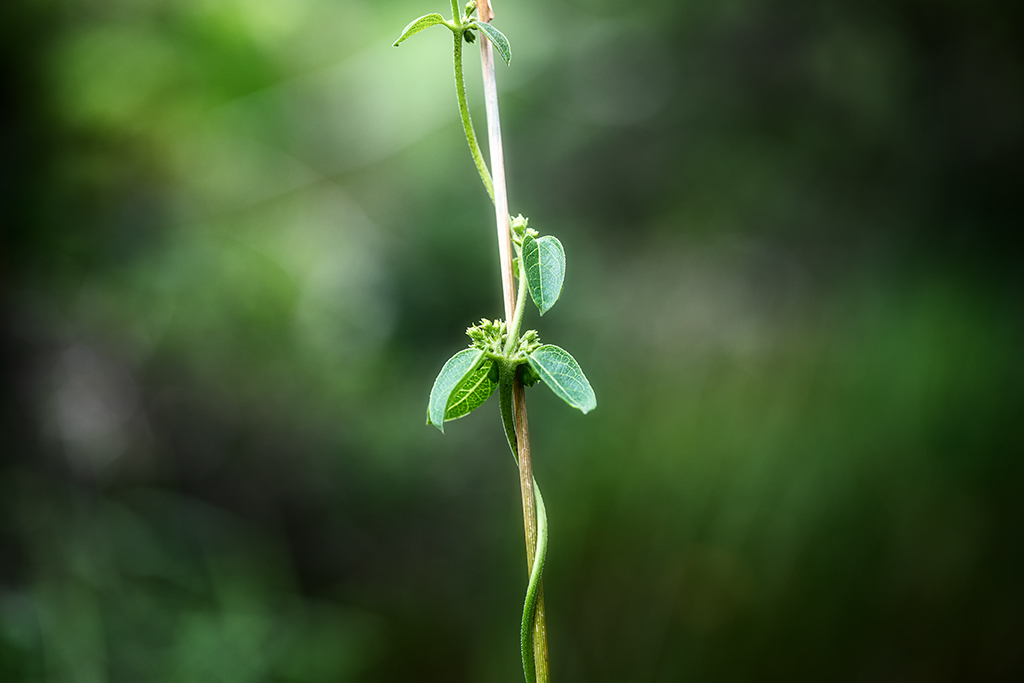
{"x": 470, "y": 7}
{"x": 528, "y": 342}
{"x": 470, "y": 38}
{"x": 519, "y": 224}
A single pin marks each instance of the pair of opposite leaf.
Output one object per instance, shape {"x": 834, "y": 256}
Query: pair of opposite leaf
{"x": 472, "y": 375}
{"x": 461, "y": 24}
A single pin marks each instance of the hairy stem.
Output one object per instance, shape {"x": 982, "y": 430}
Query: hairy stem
{"x": 467, "y": 122}
{"x": 517, "y": 317}
{"x": 532, "y": 528}
{"x": 533, "y": 631}
{"x": 506, "y": 375}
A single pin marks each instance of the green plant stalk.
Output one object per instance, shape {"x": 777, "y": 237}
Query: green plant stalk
{"x": 512, "y": 403}
{"x": 532, "y": 523}
{"x": 517, "y": 317}
{"x": 522, "y": 430}
{"x": 467, "y": 122}
{"x": 533, "y": 631}
{"x": 511, "y": 394}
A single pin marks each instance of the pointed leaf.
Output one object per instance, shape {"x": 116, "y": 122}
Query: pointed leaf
{"x": 497, "y": 38}
{"x": 544, "y": 259}
{"x": 460, "y": 387}
{"x": 419, "y": 24}
{"x": 562, "y": 373}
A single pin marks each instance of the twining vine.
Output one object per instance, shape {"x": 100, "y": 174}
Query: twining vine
{"x": 499, "y": 355}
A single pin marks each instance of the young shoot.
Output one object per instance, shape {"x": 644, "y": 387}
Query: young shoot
{"x": 500, "y": 357}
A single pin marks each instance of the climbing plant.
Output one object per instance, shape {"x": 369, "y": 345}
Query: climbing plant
{"x": 500, "y": 356}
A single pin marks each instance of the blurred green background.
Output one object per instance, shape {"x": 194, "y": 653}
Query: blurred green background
{"x": 240, "y": 237}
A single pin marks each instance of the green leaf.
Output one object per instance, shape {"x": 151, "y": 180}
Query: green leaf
{"x": 544, "y": 259}
{"x": 419, "y": 24}
{"x": 562, "y": 373}
{"x": 463, "y": 384}
{"x": 472, "y": 391}
{"x": 497, "y": 38}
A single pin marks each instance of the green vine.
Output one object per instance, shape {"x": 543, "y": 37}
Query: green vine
{"x": 498, "y": 354}
{"x": 467, "y": 122}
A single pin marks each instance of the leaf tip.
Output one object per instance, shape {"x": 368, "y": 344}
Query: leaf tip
{"x": 430, "y": 418}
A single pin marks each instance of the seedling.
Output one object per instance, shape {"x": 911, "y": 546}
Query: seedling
{"x": 499, "y": 357}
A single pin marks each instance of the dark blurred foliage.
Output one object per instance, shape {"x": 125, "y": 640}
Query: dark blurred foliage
{"x": 239, "y": 238}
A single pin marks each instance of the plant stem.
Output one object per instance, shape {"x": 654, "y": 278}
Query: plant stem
{"x": 517, "y": 317}
{"x": 501, "y": 217}
{"x": 526, "y": 484}
{"x": 483, "y": 10}
{"x": 500, "y": 196}
{"x": 467, "y": 123}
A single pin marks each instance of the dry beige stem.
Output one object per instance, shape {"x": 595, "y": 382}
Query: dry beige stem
{"x": 519, "y": 399}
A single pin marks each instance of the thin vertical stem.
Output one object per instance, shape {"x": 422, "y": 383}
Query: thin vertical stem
{"x": 467, "y": 122}
{"x": 498, "y": 176}
{"x": 540, "y": 628}
{"x": 540, "y": 643}
{"x": 517, "y": 318}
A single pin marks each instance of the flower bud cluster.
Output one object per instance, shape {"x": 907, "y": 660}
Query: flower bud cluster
{"x": 489, "y": 336}
{"x": 528, "y": 343}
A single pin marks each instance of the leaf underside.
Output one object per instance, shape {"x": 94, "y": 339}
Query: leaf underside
{"x": 544, "y": 259}
{"x": 463, "y": 384}
{"x": 562, "y": 373}
{"x": 497, "y": 39}
{"x": 418, "y": 25}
